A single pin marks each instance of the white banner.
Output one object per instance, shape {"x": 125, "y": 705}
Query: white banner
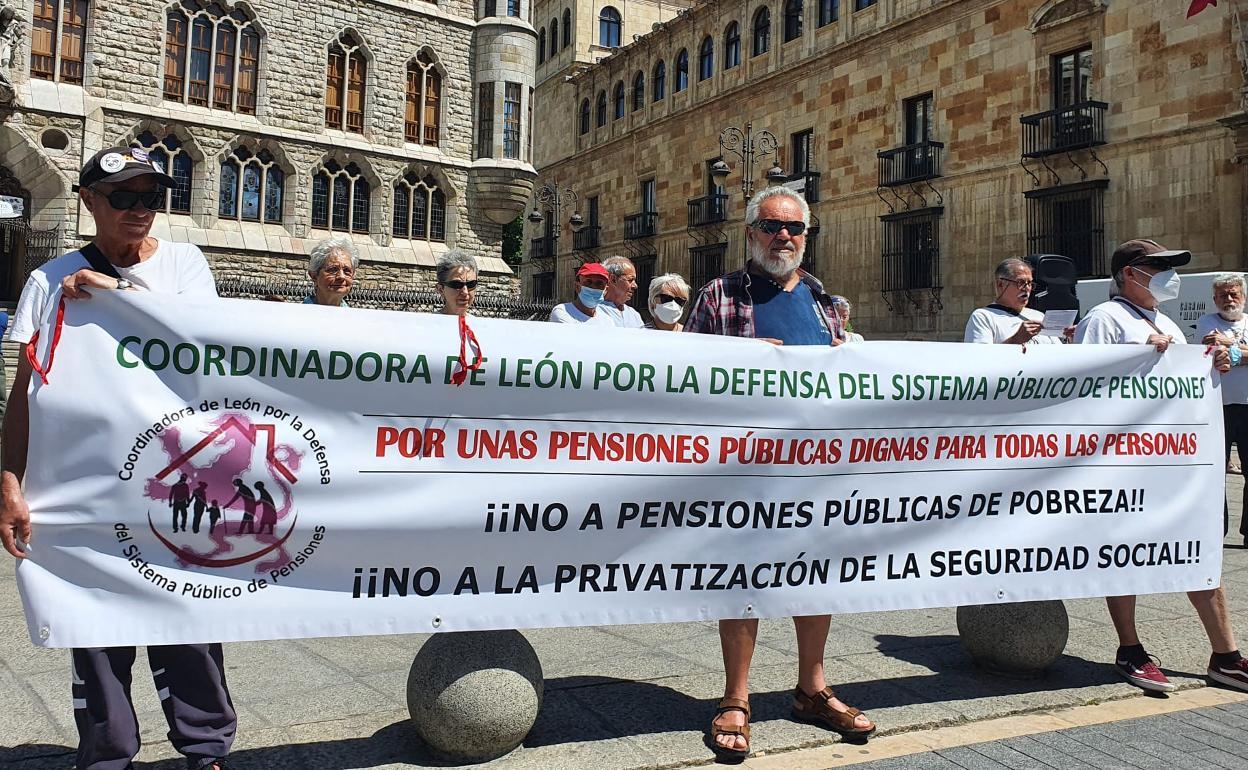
{"x": 232, "y": 470}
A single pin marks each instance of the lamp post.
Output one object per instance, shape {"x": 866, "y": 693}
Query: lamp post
{"x": 554, "y": 196}
{"x": 749, "y": 147}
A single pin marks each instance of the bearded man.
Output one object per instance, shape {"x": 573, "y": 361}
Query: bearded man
{"x": 773, "y": 299}
{"x": 1228, "y": 328}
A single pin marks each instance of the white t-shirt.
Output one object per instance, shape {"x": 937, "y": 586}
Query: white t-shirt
{"x": 626, "y": 318}
{"x": 993, "y": 326}
{"x": 1116, "y": 322}
{"x": 569, "y": 313}
{"x": 174, "y": 268}
{"x": 1234, "y": 382}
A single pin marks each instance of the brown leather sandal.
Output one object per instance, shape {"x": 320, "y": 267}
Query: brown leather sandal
{"x": 814, "y": 709}
{"x": 726, "y": 752}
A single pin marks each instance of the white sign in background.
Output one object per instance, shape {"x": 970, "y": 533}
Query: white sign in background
{"x": 586, "y": 477}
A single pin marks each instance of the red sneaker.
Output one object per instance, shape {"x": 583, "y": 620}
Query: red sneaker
{"x": 1146, "y": 675}
{"x": 1232, "y": 676}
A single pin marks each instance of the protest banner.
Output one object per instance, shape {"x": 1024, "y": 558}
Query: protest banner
{"x": 232, "y": 470}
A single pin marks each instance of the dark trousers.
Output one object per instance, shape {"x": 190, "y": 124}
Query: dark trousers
{"x": 1235, "y": 421}
{"x": 190, "y": 680}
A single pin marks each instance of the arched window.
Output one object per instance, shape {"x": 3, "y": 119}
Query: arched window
{"x": 585, "y": 116}
{"x": 600, "y": 116}
{"x": 541, "y": 45}
{"x": 792, "y": 20}
{"x": 567, "y": 27}
{"x": 639, "y": 90}
{"x": 252, "y": 186}
{"x": 340, "y": 198}
{"x": 211, "y": 58}
{"x": 345, "y": 76}
{"x": 659, "y": 89}
{"x": 609, "y": 28}
{"x": 682, "y": 71}
{"x": 554, "y": 37}
{"x": 762, "y": 31}
{"x": 58, "y": 36}
{"x": 419, "y": 209}
{"x": 172, "y": 156}
{"x": 706, "y": 59}
{"x": 732, "y": 46}
{"x": 421, "y": 124}
{"x": 829, "y": 11}
{"x": 618, "y": 101}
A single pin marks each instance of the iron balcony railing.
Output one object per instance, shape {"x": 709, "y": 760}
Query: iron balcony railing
{"x": 588, "y": 237}
{"x": 1064, "y": 129}
{"x": 708, "y": 209}
{"x": 642, "y": 225}
{"x": 910, "y": 163}
{"x": 543, "y": 248}
{"x": 806, "y": 183}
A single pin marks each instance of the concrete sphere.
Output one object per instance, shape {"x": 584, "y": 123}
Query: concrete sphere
{"x": 474, "y": 695}
{"x": 1018, "y": 640}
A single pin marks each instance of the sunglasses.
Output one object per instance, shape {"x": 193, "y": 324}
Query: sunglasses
{"x": 665, "y": 298}
{"x": 458, "y": 285}
{"x": 774, "y": 226}
{"x": 124, "y": 200}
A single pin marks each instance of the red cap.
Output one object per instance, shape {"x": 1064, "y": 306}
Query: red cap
{"x": 593, "y": 268}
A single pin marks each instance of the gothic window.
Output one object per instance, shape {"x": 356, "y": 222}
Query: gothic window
{"x": 541, "y": 45}
{"x": 58, "y": 40}
{"x": 424, "y": 101}
{"x": 762, "y": 31}
{"x": 172, "y": 157}
{"x": 346, "y": 73}
{"x": 659, "y": 89}
{"x": 567, "y": 28}
{"x": 609, "y": 28}
{"x": 419, "y": 209}
{"x": 792, "y": 20}
{"x": 600, "y": 112}
{"x": 706, "y": 59}
{"x": 639, "y": 90}
{"x": 340, "y": 198}
{"x": 585, "y": 116}
{"x": 554, "y": 37}
{"x": 252, "y": 186}
{"x": 682, "y": 71}
{"x": 732, "y": 46}
{"x": 212, "y": 57}
{"x": 618, "y": 101}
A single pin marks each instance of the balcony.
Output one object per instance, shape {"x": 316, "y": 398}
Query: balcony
{"x": 910, "y": 163}
{"x": 708, "y": 209}
{"x": 642, "y": 225}
{"x": 806, "y": 183}
{"x": 588, "y": 237}
{"x": 1065, "y": 129}
{"x": 543, "y": 248}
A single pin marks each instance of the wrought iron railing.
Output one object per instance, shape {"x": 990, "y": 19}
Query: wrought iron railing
{"x": 643, "y": 225}
{"x": 1064, "y": 129}
{"x": 910, "y": 163}
{"x": 543, "y": 248}
{"x": 708, "y": 209}
{"x": 588, "y": 237}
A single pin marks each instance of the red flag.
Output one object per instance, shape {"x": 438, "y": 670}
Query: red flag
{"x": 1200, "y": 5}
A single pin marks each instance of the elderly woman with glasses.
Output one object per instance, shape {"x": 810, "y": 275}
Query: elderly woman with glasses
{"x": 332, "y": 267}
{"x": 457, "y": 282}
{"x": 669, "y": 294}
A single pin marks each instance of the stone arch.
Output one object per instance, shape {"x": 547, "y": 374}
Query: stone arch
{"x": 45, "y": 192}
{"x": 378, "y": 198}
{"x": 1053, "y": 12}
{"x": 450, "y": 192}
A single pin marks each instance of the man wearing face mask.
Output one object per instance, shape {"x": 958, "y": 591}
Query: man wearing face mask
{"x": 590, "y": 286}
{"x": 1144, "y": 276}
{"x": 1008, "y": 320}
{"x": 1228, "y": 328}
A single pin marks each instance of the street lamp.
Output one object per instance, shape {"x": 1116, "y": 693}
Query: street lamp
{"x": 749, "y": 147}
{"x": 554, "y": 196}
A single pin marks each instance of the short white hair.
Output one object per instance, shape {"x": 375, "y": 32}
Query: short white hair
{"x": 756, "y": 203}
{"x": 1229, "y": 279}
{"x": 452, "y": 260}
{"x": 335, "y": 244}
{"x": 1009, "y": 266}
{"x": 617, "y": 265}
{"x": 656, "y": 286}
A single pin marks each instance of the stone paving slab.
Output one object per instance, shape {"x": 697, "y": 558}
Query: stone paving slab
{"x": 628, "y": 697}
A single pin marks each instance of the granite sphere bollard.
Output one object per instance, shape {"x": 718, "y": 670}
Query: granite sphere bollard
{"x": 1019, "y": 640}
{"x": 474, "y": 695}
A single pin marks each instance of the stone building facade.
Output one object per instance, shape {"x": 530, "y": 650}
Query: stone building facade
{"x": 932, "y": 138}
{"x": 283, "y": 122}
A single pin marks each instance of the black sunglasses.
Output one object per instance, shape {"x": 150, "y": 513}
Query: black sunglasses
{"x": 124, "y": 200}
{"x": 774, "y": 226}
{"x": 665, "y": 298}
{"x": 457, "y": 285}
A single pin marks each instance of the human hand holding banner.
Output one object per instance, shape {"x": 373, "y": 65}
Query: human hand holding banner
{"x": 336, "y": 483}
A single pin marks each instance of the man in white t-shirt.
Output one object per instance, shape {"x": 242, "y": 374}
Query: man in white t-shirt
{"x": 1144, "y": 275}
{"x": 1228, "y": 328}
{"x": 122, "y": 188}
{"x": 590, "y": 286}
{"x": 1008, "y": 320}
{"x": 620, "y": 289}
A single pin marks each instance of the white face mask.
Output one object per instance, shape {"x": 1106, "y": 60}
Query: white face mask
{"x": 668, "y": 312}
{"x": 1164, "y": 286}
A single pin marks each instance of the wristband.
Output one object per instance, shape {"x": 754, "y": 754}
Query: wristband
{"x": 1236, "y": 354}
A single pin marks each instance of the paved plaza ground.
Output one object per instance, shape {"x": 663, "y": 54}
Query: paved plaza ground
{"x": 640, "y": 696}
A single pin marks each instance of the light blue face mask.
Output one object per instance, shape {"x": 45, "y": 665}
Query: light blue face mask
{"x": 591, "y": 298}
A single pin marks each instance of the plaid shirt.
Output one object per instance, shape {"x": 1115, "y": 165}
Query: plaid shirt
{"x": 725, "y": 306}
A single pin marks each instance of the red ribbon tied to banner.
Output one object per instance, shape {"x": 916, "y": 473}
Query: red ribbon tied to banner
{"x": 1200, "y": 5}
{"x": 467, "y": 340}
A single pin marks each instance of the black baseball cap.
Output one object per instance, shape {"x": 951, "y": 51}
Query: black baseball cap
{"x": 1142, "y": 250}
{"x": 117, "y": 164}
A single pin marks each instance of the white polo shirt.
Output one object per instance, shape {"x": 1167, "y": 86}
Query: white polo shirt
{"x": 1118, "y": 322}
{"x": 995, "y": 325}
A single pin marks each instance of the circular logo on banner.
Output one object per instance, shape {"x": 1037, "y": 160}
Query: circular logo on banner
{"x": 112, "y": 163}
